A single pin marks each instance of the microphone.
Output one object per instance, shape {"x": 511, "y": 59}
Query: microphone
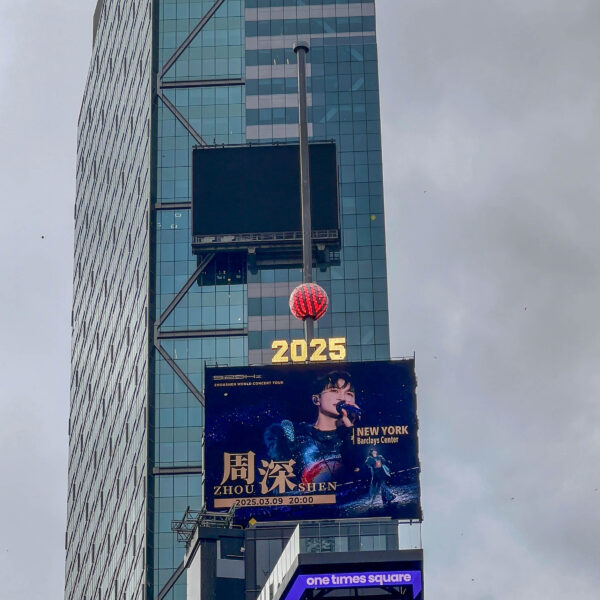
{"x": 354, "y": 413}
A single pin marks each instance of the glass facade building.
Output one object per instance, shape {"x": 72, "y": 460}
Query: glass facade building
{"x": 148, "y": 315}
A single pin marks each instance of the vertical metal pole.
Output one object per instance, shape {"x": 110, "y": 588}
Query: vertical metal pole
{"x": 301, "y": 50}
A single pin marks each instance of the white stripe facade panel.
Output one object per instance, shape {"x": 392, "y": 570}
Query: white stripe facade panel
{"x": 275, "y": 101}
{"x": 268, "y": 42}
{"x": 272, "y": 71}
{"x": 268, "y": 132}
{"x": 310, "y": 12}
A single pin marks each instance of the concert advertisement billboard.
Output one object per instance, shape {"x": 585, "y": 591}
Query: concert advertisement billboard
{"x": 312, "y": 441}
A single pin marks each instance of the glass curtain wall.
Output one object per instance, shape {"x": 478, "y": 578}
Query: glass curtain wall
{"x": 227, "y": 75}
{"x": 343, "y": 101}
{"x": 209, "y": 323}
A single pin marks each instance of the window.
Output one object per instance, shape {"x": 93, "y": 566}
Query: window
{"x": 372, "y": 542}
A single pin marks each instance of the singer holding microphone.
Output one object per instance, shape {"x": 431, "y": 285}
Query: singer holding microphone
{"x": 323, "y": 449}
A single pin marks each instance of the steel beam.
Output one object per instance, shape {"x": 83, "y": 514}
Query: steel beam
{"x": 183, "y": 291}
{"x": 165, "y": 85}
{"x": 201, "y": 333}
{"x": 188, "y": 40}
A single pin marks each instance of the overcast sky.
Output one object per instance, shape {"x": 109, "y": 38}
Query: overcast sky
{"x": 491, "y": 131}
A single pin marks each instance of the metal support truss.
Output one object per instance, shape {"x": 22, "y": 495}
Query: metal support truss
{"x": 186, "y": 526}
{"x": 191, "y": 519}
{"x": 188, "y": 40}
{"x": 171, "y": 582}
{"x": 162, "y": 85}
{"x": 188, "y": 384}
{"x": 188, "y": 333}
{"x": 201, "y": 333}
{"x": 183, "y": 291}
{"x": 167, "y": 85}
{"x": 180, "y": 117}
{"x": 157, "y": 334}
{"x": 185, "y": 529}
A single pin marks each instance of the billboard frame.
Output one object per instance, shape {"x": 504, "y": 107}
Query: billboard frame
{"x": 275, "y": 249}
{"x": 361, "y": 485}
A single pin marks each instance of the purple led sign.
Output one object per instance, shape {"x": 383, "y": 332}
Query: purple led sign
{"x": 350, "y": 580}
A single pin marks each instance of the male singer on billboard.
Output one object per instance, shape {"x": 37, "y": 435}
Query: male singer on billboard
{"x": 323, "y": 449}
{"x": 380, "y": 475}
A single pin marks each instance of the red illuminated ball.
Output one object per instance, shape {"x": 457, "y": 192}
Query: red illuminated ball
{"x": 309, "y": 301}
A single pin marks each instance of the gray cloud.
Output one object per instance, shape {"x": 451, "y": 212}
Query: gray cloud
{"x": 490, "y": 154}
{"x": 44, "y": 53}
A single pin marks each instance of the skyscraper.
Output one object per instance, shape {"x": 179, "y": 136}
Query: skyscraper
{"x": 166, "y": 76}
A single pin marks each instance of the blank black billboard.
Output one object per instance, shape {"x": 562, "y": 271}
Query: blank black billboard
{"x": 256, "y": 189}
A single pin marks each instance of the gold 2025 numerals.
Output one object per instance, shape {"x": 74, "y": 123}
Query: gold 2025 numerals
{"x": 321, "y": 350}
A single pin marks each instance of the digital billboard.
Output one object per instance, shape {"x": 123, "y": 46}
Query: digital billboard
{"x": 410, "y": 582}
{"x": 241, "y": 189}
{"x": 312, "y": 441}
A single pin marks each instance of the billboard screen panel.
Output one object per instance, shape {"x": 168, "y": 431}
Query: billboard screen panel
{"x": 312, "y": 441}
{"x": 409, "y": 582}
{"x": 239, "y": 189}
